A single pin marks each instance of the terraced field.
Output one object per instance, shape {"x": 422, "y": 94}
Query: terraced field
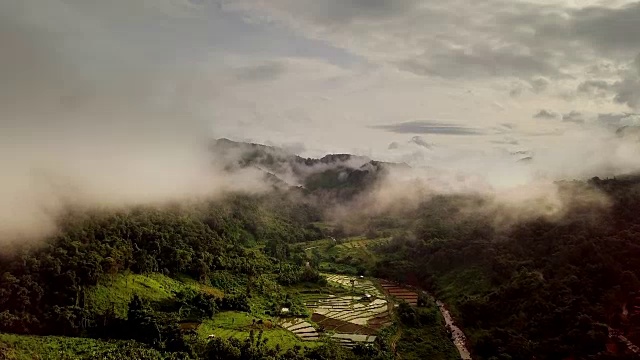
{"x": 349, "y": 340}
{"x": 301, "y": 328}
{"x": 350, "y": 318}
{"x": 347, "y": 318}
{"x": 349, "y": 309}
{"x": 399, "y": 292}
{"x": 361, "y": 286}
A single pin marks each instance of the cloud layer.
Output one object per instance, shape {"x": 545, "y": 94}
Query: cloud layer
{"x": 114, "y": 101}
{"x": 89, "y": 118}
{"x": 429, "y": 127}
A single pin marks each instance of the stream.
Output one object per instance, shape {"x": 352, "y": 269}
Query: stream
{"x": 457, "y": 336}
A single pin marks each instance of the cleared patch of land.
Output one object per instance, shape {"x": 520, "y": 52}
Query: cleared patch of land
{"x": 239, "y": 325}
{"x": 115, "y": 293}
{"x": 346, "y": 256}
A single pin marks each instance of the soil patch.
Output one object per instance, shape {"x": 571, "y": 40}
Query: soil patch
{"x": 341, "y": 326}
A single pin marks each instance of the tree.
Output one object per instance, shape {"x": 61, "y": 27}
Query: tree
{"x": 407, "y": 314}
{"x": 222, "y": 349}
{"x": 142, "y": 324}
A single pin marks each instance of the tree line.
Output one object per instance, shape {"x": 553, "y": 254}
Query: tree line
{"x": 545, "y": 288}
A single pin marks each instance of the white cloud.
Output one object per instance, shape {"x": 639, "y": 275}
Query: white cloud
{"x": 333, "y": 75}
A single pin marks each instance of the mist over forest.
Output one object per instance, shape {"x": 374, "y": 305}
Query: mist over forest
{"x": 320, "y": 179}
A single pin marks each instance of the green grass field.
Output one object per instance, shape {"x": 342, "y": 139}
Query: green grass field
{"x": 117, "y": 292}
{"x": 349, "y": 256}
{"x": 238, "y": 325}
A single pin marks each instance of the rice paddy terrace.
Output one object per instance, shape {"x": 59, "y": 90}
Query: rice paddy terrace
{"x": 399, "y": 292}
{"x": 349, "y": 318}
{"x": 302, "y": 329}
{"x": 358, "y": 284}
{"x": 362, "y": 309}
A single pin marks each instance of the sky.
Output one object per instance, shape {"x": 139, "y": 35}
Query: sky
{"x": 113, "y": 102}
{"x": 464, "y": 85}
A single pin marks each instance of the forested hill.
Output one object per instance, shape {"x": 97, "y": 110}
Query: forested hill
{"x": 341, "y": 175}
{"x": 44, "y": 285}
{"x": 543, "y": 288}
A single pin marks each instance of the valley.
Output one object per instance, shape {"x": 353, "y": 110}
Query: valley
{"x": 302, "y": 273}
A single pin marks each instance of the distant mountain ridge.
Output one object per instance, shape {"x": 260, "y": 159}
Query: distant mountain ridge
{"x": 343, "y": 174}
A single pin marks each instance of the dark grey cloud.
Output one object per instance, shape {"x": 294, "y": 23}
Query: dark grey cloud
{"x": 556, "y": 132}
{"x": 344, "y": 12}
{"x": 506, "y": 141}
{"x": 420, "y": 141}
{"x": 536, "y": 85}
{"x": 429, "y": 127}
{"x": 594, "y": 88}
{"x": 625, "y": 91}
{"x": 602, "y": 68}
{"x": 609, "y": 118}
{"x": 263, "y": 72}
{"x": 608, "y": 29}
{"x": 628, "y": 92}
{"x": 349, "y": 9}
{"x": 515, "y": 40}
{"x": 571, "y": 33}
{"x": 539, "y": 85}
{"x": 516, "y": 91}
{"x": 618, "y": 119}
{"x": 545, "y": 114}
{"x": 455, "y": 40}
{"x": 483, "y": 61}
{"x": 394, "y": 145}
{"x": 533, "y": 42}
{"x": 629, "y": 132}
{"x": 573, "y": 117}
{"x": 612, "y": 118}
